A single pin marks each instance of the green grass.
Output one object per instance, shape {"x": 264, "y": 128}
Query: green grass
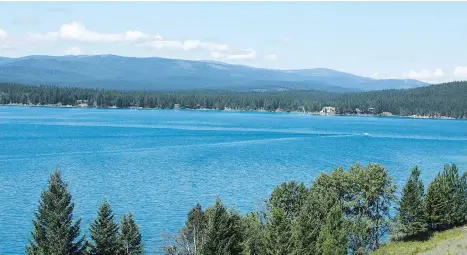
{"x": 451, "y": 242}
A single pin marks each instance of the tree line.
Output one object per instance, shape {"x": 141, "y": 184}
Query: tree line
{"x": 346, "y": 211}
{"x": 446, "y": 99}
{"x": 343, "y": 212}
{"x": 55, "y": 233}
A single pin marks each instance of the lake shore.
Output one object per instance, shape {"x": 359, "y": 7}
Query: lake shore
{"x": 236, "y": 110}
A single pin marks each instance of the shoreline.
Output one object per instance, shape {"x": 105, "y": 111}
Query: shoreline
{"x": 233, "y": 110}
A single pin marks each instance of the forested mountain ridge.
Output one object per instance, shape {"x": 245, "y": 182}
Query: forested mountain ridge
{"x": 130, "y": 73}
{"x": 448, "y": 99}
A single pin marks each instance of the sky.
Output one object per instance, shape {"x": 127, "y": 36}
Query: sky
{"x": 417, "y": 40}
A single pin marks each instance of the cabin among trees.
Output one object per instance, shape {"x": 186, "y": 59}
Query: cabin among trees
{"x": 328, "y": 110}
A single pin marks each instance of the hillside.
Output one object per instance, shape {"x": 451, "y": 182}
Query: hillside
{"x": 453, "y": 242}
{"x": 129, "y": 73}
{"x": 447, "y": 99}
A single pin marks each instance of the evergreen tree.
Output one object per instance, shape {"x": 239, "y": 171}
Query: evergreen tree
{"x": 195, "y": 226}
{"x": 104, "y": 232}
{"x": 54, "y": 231}
{"x": 411, "y": 219}
{"x": 446, "y": 199}
{"x": 224, "y": 231}
{"x": 307, "y": 226}
{"x": 333, "y": 236}
{"x": 129, "y": 237}
{"x": 254, "y": 243}
{"x": 435, "y": 205}
{"x": 279, "y": 232}
{"x": 289, "y": 196}
{"x": 190, "y": 238}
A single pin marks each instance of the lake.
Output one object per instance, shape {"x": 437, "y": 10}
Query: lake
{"x": 159, "y": 163}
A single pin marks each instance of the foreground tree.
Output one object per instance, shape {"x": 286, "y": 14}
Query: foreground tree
{"x": 255, "y": 232}
{"x": 190, "y": 238}
{"x": 446, "y": 199}
{"x": 333, "y": 236}
{"x": 54, "y": 231}
{"x": 104, "y": 232}
{"x": 279, "y": 232}
{"x": 411, "y": 220}
{"x": 290, "y": 196}
{"x": 224, "y": 231}
{"x": 129, "y": 237}
{"x": 372, "y": 198}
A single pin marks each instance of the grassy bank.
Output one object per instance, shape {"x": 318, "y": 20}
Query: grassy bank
{"x": 453, "y": 242}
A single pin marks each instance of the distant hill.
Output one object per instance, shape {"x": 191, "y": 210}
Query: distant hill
{"x": 129, "y": 73}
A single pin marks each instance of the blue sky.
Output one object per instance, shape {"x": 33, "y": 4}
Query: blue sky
{"x": 425, "y": 41}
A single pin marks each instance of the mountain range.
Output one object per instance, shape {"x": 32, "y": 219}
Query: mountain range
{"x": 131, "y": 73}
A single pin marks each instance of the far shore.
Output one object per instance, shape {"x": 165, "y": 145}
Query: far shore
{"x": 235, "y": 110}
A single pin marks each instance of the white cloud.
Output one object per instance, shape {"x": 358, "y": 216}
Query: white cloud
{"x": 460, "y": 72}
{"x": 74, "y": 51}
{"x": 3, "y": 34}
{"x": 246, "y": 54}
{"x": 424, "y": 75}
{"x": 271, "y": 57}
{"x": 76, "y": 31}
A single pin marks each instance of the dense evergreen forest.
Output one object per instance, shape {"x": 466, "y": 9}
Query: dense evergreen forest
{"x": 448, "y": 99}
{"x": 346, "y": 211}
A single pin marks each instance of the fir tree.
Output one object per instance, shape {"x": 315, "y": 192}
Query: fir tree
{"x": 290, "y": 196}
{"x": 104, "y": 232}
{"x": 279, "y": 232}
{"x": 190, "y": 238}
{"x": 54, "y": 231}
{"x": 224, "y": 231}
{"x": 195, "y": 226}
{"x": 333, "y": 236}
{"x": 411, "y": 219}
{"x": 446, "y": 198}
{"x": 435, "y": 205}
{"x": 129, "y": 237}
{"x": 254, "y": 243}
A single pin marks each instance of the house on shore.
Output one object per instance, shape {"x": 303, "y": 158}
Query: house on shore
{"x": 328, "y": 110}
{"x": 82, "y": 103}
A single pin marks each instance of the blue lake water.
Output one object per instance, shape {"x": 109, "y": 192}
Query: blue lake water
{"x": 158, "y": 164}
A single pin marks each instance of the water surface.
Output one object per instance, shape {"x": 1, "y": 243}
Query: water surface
{"x": 159, "y": 163}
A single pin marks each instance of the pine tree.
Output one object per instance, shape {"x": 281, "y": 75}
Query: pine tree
{"x": 104, "y": 232}
{"x": 279, "y": 232}
{"x": 254, "y": 243}
{"x": 54, "y": 231}
{"x": 195, "y": 226}
{"x": 129, "y": 237}
{"x": 446, "y": 199}
{"x": 290, "y": 196}
{"x": 435, "y": 205}
{"x": 189, "y": 239}
{"x": 455, "y": 186}
{"x": 224, "y": 231}
{"x": 411, "y": 219}
{"x": 333, "y": 236}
